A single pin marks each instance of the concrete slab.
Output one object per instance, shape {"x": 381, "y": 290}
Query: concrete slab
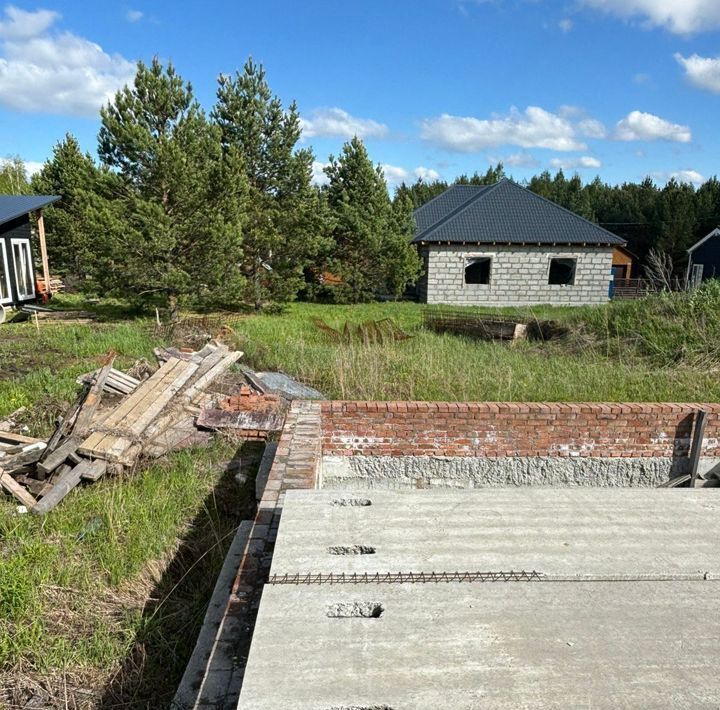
{"x": 495, "y": 645}
{"x": 587, "y": 533}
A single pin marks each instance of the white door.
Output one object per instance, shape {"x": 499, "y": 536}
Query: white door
{"x": 24, "y": 269}
{"x": 5, "y": 294}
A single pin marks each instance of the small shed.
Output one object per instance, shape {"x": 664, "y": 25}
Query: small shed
{"x": 20, "y": 215}
{"x": 704, "y": 258}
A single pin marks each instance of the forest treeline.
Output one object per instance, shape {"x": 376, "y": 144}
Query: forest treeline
{"x": 219, "y": 208}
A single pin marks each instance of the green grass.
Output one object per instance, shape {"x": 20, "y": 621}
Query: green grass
{"x": 598, "y": 363}
{"x": 108, "y": 591}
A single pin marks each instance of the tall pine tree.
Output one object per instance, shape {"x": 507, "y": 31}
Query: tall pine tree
{"x": 286, "y": 226}
{"x": 173, "y": 215}
{"x": 372, "y": 251}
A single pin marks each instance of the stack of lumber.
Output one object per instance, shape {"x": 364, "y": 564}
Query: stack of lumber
{"x": 157, "y": 416}
{"x": 117, "y": 382}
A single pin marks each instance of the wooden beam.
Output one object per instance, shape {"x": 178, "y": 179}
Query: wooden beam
{"x": 43, "y": 251}
{"x": 64, "y": 484}
{"x": 9, "y": 484}
{"x": 696, "y": 448}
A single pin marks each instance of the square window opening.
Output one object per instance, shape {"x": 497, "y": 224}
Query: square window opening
{"x": 562, "y": 272}
{"x": 477, "y": 271}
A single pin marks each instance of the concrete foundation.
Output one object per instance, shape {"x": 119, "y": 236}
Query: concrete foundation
{"x": 399, "y": 472}
{"x": 621, "y": 613}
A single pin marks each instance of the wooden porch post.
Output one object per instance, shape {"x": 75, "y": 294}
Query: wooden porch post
{"x": 43, "y": 251}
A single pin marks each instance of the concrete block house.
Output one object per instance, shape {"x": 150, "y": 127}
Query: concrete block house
{"x": 503, "y": 245}
{"x": 19, "y": 216}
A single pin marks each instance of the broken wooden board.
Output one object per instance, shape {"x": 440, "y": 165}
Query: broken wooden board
{"x": 248, "y": 421}
{"x": 56, "y": 458}
{"x": 94, "y": 470}
{"x": 12, "y": 438}
{"x": 9, "y": 484}
{"x": 180, "y": 435}
{"x": 65, "y": 482}
{"x": 116, "y": 382}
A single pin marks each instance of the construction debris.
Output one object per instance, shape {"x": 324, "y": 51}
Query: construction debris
{"x": 174, "y": 407}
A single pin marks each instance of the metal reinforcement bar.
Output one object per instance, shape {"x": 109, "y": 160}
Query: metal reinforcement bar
{"x": 404, "y": 577}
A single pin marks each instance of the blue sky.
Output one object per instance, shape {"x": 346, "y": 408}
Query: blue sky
{"x": 619, "y": 88}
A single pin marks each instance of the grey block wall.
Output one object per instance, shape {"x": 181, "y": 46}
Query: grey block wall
{"x": 519, "y": 276}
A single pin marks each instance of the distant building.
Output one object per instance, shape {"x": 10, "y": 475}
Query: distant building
{"x": 704, "y": 258}
{"x": 18, "y": 282}
{"x": 503, "y": 245}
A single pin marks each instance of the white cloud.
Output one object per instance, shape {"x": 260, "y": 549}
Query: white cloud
{"x": 592, "y": 128}
{"x": 134, "y": 15}
{"x": 565, "y": 24}
{"x": 581, "y": 163}
{"x": 688, "y": 176}
{"x": 19, "y": 24}
{"x": 702, "y": 72}
{"x": 641, "y": 78}
{"x": 54, "y": 72}
{"x": 516, "y": 160}
{"x": 533, "y": 128}
{"x": 639, "y": 126}
{"x": 426, "y": 174}
{"x": 678, "y": 16}
{"x": 394, "y": 174}
{"x": 336, "y": 122}
{"x": 31, "y": 166}
{"x": 318, "y": 175}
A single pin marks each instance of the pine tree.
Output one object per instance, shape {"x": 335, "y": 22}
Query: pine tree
{"x": 372, "y": 240}
{"x": 172, "y": 215}
{"x": 285, "y": 231}
{"x": 74, "y": 176}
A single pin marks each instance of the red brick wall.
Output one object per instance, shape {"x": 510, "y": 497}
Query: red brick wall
{"x": 514, "y": 429}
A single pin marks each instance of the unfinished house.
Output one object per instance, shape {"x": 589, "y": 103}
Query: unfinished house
{"x": 423, "y": 555}
{"x": 503, "y": 245}
{"x": 20, "y": 215}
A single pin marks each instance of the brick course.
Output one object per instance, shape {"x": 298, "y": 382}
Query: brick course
{"x": 485, "y": 429}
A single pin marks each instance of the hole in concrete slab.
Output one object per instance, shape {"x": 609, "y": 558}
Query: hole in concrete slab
{"x": 345, "y": 502}
{"x": 355, "y": 610}
{"x": 351, "y": 550}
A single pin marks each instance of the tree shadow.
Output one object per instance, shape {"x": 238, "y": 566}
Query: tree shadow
{"x": 173, "y": 615}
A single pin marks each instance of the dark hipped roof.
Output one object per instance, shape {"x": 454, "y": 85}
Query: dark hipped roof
{"x": 12, "y": 206}
{"x": 503, "y": 213}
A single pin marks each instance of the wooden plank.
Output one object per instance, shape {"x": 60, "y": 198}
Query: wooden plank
{"x": 67, "y": 422}
{"x": 115, "y": 447}
{"x": 696, "y": 447}
{"x": 64, "y": 484}
{"x": 10, "y": 485}
{"x": 249, "y": 421}
{"x": 90, "y": 405}
{"x": 126, "y": 407}
{"x": 59, "y": 456}
{"x": 44, "y": 252}
{"x": 29, "y": 454}
{"x": 13, "y": 438}
{"x": 94, "y": 470}
{"x": 212, "y": 374}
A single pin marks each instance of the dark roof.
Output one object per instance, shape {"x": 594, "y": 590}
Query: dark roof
{"x": 503, "y": 213}
{"x": 714, "y": 233}
{"x": 12, "y": 206}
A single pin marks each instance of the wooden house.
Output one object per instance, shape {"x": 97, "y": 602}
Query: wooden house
{"x": 704, "y": 258}
{"x": 20, "y": 217}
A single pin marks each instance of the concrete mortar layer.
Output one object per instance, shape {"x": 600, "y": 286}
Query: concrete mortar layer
{"x": 600, "y": 645}
{"x": 401, "y": 472}
{"x": 575, "y": 533}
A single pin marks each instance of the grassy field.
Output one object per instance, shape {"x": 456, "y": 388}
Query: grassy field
{"x": 101, "y": 600}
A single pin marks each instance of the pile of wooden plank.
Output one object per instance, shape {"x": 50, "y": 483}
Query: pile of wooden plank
{"x": 158, "y": 415}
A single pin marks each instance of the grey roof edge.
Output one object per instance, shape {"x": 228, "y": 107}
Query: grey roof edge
{"x": 715, "y": 232}
{"x": 25, "y": 204}
{"x": 613, "y": 240}
{"x": 451, "y": 215}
